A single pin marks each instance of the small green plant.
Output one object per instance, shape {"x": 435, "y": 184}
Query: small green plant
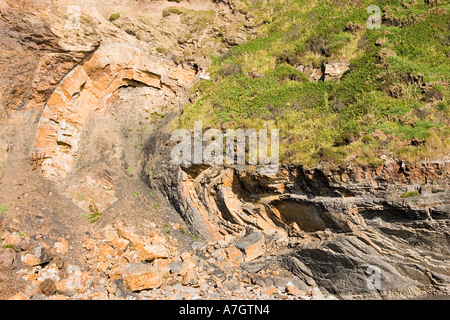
{"x": 81, "y": 197}
{"x": 409, "y": 194}
{"x": 95, "y": 212}
{"x": 3, "y": 208}
{"x": 160, "y": 50}
{"x": 21, "y": 234}
{"x": 114, "y": 16}
{"x": 167, "y": 229}
{"x": 157, "y": 206}
{"x": 166, "y": 12}
{"x": 441, "y": 106}
{"x": 8, "y": 246}
{"x": 137, "y": 194}
{"x": 182, "y": 229}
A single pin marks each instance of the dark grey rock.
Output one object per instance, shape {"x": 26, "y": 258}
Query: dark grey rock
{"x": 249, "y": 240}
{"x": 120, "y": 291}
{"x": 252, "y": 267}
{"x": 42, "y": 254}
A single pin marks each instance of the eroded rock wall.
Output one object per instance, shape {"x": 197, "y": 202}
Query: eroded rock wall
{"x": 339, "y": 222}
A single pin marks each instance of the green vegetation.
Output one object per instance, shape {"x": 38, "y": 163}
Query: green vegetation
{"x": 392, "y": 100}
{"x": 167, "y": 229}
{"x": 3, "y": 208}
{"x": 182, "y": 229}
{"x": 171, "y": 10}
{"x": 94, "y": 214}
{"x": 196, "y": 20}
{"x": 7, "y": 246}
{"x": 137, "y": 194}
{"x": 160, "y": 50}
{"x": 409, "y": 194}
{"x": 92, "y": 217}
{"x": 114, "y": 16}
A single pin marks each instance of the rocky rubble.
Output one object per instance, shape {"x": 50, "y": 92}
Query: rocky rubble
{"x": 120, "y": 264}
{"x": 83, "y": 104}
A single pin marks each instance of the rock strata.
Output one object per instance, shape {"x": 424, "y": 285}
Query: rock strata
{"x": 339, "y": 222}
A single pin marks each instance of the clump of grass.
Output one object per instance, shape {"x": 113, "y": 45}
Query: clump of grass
{"x": 182, "y": 229}
{"x": 114, "y": 16}
{"x": 441, "y": 106}
{"x": 3, "y": 208}
{"x": 160, "y": 50}
{"x": 409, "y": 194}
{"x": 172, "y": 10}
{"x": 8, "y": 246}
{"x": 95, "y": 212}
{"x": 167, "y": 229}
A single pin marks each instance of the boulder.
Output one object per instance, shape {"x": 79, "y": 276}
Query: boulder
{"x": 140, "y": 276}
{"x": 252, "y": 245}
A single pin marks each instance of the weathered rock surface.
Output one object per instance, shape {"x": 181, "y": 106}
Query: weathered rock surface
{"x": 84, "y": 99}
{"x": 47, "y": 287}
{"x": 6, "y": 257}
{"x": 345, "y": 220}
{"x": 87, "y": 87}
{"x": 140, "y": 276}
{"x": 253, "y": 245}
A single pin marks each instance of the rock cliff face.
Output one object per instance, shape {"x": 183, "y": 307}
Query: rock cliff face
{"x": 91, "y": 103}
{"x": 87, "y": 88}
{"x": 339, "y": 222}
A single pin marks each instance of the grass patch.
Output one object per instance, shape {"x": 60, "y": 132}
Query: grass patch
{"x": 3, "y": 208}
{"x": 409, "y": 194}
{"x": 160, "y": 50}
{"x": 167, "y": 229}
{"x": 94, "y": 214}
{"x": 114, "y": 16}
{"x": 334, "y": 123}
{"x": 172, "y": 10}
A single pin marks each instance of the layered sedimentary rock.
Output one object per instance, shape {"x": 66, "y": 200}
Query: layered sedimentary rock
{"x": 394, "y": 217}
{"x": 86, "y": 88}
